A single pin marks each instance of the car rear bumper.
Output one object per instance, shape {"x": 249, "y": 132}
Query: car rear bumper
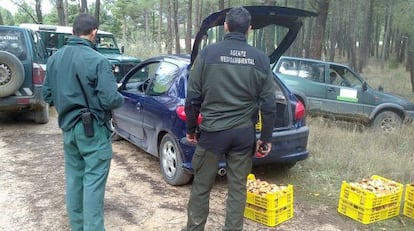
{"x": 22, "y": 102}
{"x": 288, "y": 146}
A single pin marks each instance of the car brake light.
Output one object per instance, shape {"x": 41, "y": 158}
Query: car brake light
{"x": 181, "y": 114}
{"x": 299, "y": 111}
{"x": 38, "y": 74}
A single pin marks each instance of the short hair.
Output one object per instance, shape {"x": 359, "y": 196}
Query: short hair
{"x": 238, "y": 19}
{"x": 84, "y": 24}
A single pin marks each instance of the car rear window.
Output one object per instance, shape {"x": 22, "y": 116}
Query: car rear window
{"x": 13, "y": 41}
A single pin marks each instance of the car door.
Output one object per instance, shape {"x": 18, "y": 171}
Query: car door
{"x": 129, "y": 117}
{"x": 158, "y": 104}
{"x": 344, "y": 93}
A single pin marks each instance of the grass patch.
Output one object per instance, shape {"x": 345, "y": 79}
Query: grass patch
{"x": 349, "y": 152}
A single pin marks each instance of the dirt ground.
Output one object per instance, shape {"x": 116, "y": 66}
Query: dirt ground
{"x": 137, "y": 198}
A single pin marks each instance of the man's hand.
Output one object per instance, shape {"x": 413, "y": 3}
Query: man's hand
{"x": 192, "y": 138}
{"x": 263, "y": 148}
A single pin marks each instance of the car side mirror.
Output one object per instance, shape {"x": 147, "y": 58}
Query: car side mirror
{"x": 364, "y": 86}
{"x": 381, "y": 88}
{"x": 122, "y": 49}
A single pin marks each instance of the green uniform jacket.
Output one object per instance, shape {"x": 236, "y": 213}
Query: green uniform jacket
{"x": 61, "y": 87}
{"x": 229, "y": 81}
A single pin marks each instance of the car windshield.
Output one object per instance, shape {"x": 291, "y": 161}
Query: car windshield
{"x": 105, "y": 41}
{"x": 265, "y": 39}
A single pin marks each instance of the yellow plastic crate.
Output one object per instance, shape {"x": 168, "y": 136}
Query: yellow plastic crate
{"x": 271, "y": 201}
{"x": 409, "y": 209}
{"x": 409, "y": 193}
{"x": 269, "y": 217}
{"x": 368, "y": 199}
{"x": 365, "y": 215}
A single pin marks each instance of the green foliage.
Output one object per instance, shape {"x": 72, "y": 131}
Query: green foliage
{"x": 393, "y": 64}
{"x": 8, "y": 18}
{"x": 25, "y": 14}
{"x": 139, "y": 49}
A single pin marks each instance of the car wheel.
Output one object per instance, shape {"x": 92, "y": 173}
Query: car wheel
{"x": 387, "y": 121}
{"x": 41, "y": 114}
{"x": 11, "y": 73}
{"x": 171, "y": 162}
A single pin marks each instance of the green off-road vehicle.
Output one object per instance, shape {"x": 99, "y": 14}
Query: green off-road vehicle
{"x": 23, "y": 60}
{"x": 55, "y": 37}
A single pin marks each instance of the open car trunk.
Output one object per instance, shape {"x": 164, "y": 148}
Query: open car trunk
{"x": 273, "y": 31}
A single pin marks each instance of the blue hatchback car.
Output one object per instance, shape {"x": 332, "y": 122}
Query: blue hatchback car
{"x": 153, "y": 117}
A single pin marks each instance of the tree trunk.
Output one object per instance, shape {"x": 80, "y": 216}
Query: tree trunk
{"x": 334, "y": 32}
{"x": 403, "y": 49}
{"x": 83, "y": 6}
{"x": 377, "y": 38}
{"x": 1, "y": 19}
{"x": 176, "y": 27}
{"x": 410, "y": 59}
{"x": 169, "y": 29}
{"x": 147, "y": 26}
{"x": 197, "y": 16}
{"x": 411, "y": 54}
{"x": 159, "y": 36}
{"x": 366, "y": 37}
{"x": 269, "y": 33}
{"x": 189, "y": 27}
{"x": 300, "y": 41}
{"x": 60, "y": 12}
{"x": 221, "y": 4}
{"x": 97, "y": 9}
{"x": 352, "y": 35}
{"x": 386, "y": 39}
{"x": 66, "y": 8}
{"x": 124, "y": 28}
{"x": 39, "y": 16}
{"x": 318, "y": 33}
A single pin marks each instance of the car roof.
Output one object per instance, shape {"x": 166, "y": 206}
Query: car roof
{"x": 55, "y": 29}
{"x": 262, "y": 16}
{"x": 315, "y": 60}
{"x": 14, "y": 28}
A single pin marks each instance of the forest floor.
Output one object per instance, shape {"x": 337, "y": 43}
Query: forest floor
{"x": 137, "y": 198}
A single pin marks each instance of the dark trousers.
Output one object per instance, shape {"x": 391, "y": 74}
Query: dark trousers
{"x": 87, "y": 163}
{"x": 237, "y": 147}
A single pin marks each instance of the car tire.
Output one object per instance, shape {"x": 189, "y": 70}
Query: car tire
{"x": 171, "y": 162}
{"x": 387, "y": 121}
{"x": 41, "y": 114}
{"x": 11, "y": 73}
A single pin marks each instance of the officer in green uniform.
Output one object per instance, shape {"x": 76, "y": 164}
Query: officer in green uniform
{"x": 229, "y": 82}
{"x": 80, "y": 80}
